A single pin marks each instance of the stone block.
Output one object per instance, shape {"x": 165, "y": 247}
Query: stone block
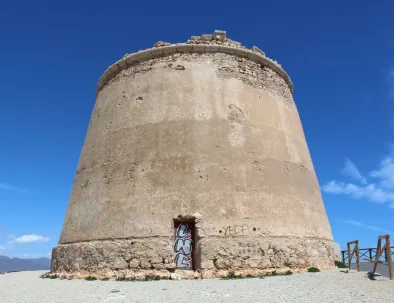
{"x": 140, "y": 275}
{"x": 208, "y": 274}
{"x": 198, "y": 48}
{"x": 113, "y": 70}
{"x": 134, "y": 263}
{"x": 145, "y": 264}
{"x": 169, "y": 49}
{"x": 157, "y": 260}
{"x": 212, "y": 48}
{"x": 228, "y": 50}
{"x": 207, "y": 264}
{"x": 253, "y": 56}
{"x": 163, "y": 274}
{"x": 241, "y": 52}
{"x": 122, "y": 64}
{"x": 145, "y": 55}
{"x": 174, "y": 276}
{"x": 265, "y": 263}
{"x": 169, "y": 265}
{"x": 236, "y": 263}
{"x": 157, "y": 52}
{"x": 158, "y": 265}
{"x": 184, "y": 48}
{"x": 222, "y": 274}
{"x": 253, "y": 262}
{"x": 130, "y": 60}
{"x": 187, "y": 274}
{"x": 120, "y": 264}
{"x": 222, "y": 263}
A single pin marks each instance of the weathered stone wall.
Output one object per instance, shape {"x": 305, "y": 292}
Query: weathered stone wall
{"x": 141, "y": 258}
{"x": 210, "y": 134}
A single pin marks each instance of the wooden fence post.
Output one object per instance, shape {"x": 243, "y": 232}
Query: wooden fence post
{"x": 351, "y": 252}
{"x": 388, "y": 256}
{"x": 357, "y": 256}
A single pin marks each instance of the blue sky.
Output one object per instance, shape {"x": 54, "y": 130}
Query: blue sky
{"x": 339, "y": 55}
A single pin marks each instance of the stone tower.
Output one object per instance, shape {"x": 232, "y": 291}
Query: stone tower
{"x": 194, "y": 163}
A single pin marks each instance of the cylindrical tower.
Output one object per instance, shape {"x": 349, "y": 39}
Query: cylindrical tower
{"x": 195, "y": 161}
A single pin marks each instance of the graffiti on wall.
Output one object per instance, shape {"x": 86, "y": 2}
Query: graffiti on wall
{"x": 236, "y": 230}
{"x": 183, "y": 246}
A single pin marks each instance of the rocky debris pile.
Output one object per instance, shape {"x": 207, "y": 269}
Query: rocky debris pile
{"x": 161, "y": 43}
{"x": 217, "y": 38}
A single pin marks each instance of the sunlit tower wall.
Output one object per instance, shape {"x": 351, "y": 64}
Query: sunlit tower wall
{"x": 195, "y": 164}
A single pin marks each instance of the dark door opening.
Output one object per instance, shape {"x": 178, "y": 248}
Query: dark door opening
{"x": 184, "y": 244}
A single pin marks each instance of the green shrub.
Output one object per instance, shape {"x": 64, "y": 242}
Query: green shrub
{"x": 48, "y": 276}
{"x": 104, "y": 279}
{"x": 288, "y": 273}
{"x": 232, "y": 276}
{"x": 313, "y": 269}
{"x": 90, "y": 278}
{"x": 340, "y": 264}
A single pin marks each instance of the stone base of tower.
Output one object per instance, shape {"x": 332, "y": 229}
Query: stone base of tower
{"x": 214, "y": 257}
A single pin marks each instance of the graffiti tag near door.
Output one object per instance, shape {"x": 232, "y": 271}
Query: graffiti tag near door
{"x": 183, "y": 246}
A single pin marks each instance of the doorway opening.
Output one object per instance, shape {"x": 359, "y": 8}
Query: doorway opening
{"x": 184, "y": 243}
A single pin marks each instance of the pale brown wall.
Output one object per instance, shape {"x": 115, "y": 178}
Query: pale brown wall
{"x": 164, "y": 142}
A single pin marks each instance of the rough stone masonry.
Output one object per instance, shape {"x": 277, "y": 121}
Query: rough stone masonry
{"x": 195, "y": 165}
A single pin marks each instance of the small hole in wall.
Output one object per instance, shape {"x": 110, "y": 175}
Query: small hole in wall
{"x": 139, "y": 98}
{"x": 254, "y": 228}
{"x": 220, "y": 231}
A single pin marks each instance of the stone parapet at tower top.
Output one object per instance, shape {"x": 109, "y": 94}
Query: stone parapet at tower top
{"x": 206, "y": 43}
{"x": 194, "y": 163}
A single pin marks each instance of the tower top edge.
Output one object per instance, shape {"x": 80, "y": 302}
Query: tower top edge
{"x": 206, "y": 43}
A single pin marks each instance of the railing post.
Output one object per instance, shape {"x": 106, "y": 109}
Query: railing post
{"x": 357, "y": 255}
{"x": 388, "y": 255}
{"x": 385, "y": 254}
{"x": 370, "y": 253}
{"x": 343, "y": 256}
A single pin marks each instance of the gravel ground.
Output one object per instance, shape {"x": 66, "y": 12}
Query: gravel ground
{"x": 328, "y": 286}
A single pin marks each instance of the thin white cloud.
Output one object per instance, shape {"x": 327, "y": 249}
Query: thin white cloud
{"x": 385, "y": 173}
{"x": 351, "y": 170}
{"x": 356, "y": 223}
{"x": 369, "y": 192}
{"x": 381, "y": 191}
{"x": 11, "y": 236}
{"x": 29, "y": 239}
{"x": 5, "y": 247}
{"x": 9, "y": 187}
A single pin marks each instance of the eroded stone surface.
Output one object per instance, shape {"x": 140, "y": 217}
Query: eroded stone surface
{"x": 218, "y": 257}
{"x": 227, "y": 67}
